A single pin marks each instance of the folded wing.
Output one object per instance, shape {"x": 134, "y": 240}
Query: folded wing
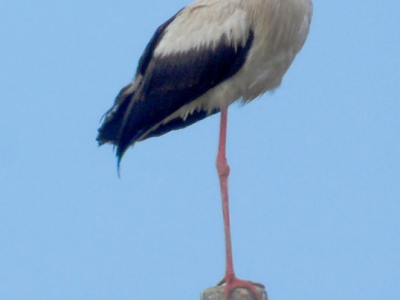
{"x": 186, "y": 57}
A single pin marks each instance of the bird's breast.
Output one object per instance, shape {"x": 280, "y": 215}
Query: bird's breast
{"x": 281, "y": 28}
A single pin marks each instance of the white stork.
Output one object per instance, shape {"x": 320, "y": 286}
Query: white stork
{"x": 207, "y": 56}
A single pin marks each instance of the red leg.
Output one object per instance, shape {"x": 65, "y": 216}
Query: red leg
{"x": 231, "y": 282}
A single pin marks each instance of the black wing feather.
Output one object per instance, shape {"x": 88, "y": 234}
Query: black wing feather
{"x": 113, "y": 119}
{"x": 170, "y": 82}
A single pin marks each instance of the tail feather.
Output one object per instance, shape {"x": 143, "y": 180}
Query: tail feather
{"x": 113, "y": 119}
{"x": 133, "y": 118}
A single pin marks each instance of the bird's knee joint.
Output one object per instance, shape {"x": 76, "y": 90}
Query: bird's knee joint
{"x": 223, "y": 168}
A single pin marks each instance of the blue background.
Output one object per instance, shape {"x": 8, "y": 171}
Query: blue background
{"x": 315, "y": 165}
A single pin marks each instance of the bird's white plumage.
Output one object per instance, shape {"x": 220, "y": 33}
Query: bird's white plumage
{"x": 202, "y": 24}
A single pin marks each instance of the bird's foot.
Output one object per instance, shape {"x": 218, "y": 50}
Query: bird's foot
{"x": 232, "y": 283}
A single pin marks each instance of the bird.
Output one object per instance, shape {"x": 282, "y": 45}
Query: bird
{"x": 208, "y": 55}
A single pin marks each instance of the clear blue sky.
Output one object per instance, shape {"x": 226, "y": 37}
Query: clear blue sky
{"x": 315, "y": 165}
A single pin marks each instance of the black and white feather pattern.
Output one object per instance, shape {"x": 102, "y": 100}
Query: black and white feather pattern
{"x": 208, "y": 55}
{"x": 164, "y": 84}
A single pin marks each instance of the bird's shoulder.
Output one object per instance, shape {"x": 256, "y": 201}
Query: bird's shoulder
{"x": 204, "y": 24}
